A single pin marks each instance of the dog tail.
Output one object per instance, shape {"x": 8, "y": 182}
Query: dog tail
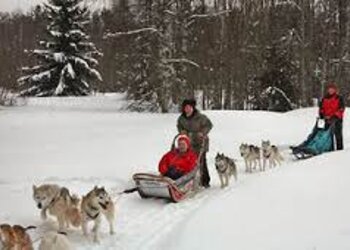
{"x": 65, "y": 194}
{"x": 70, "y": 199}
{"x": 30, "y": 228}
{"x": 75, "y": 200}
{"x": 23, "y": 229}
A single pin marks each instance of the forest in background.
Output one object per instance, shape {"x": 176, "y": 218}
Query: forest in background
{"x": 231, "y": 54}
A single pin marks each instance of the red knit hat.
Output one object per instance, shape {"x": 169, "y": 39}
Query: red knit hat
{"x": 332, "y": 85}
{"x": 184, "y": 138}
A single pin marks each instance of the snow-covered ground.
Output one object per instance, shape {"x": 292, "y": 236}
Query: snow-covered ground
{"x": 80, "y": 143}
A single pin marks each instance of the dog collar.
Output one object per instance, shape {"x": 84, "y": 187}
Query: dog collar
{"x": 93, "y": 208}
{"x": 92, "y": 217}
{"x": 266, "y": 155}
{"x": 53, "y": 201}
{"x": 222, "y": 171}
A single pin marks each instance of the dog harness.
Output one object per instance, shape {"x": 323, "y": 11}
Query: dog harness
{"x": 223, "y": 171}
{"x": 92, "y": 217}
{"x": 54, "y": 200}
{"x": 266, "y": 155}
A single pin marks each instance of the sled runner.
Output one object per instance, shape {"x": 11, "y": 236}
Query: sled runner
{"x": 157, "y": 186}
{"x": 319, "y": 141}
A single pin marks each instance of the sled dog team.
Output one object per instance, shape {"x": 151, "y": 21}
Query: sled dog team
{"x": 69, "y": 210}
{"x": 252, "y": 155}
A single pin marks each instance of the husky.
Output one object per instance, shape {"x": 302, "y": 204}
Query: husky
{"x": 59, "y": 203}
{"x": 271, "y": 153}
{"x": 15, "y": 237}
{"x": 55, "y": 241}
{"x": 225, "y": 167}
{"x": 95, "y": 204}
{"x": 251, "y": 155}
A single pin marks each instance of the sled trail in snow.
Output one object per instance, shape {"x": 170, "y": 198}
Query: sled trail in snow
{"x": 144, "y": 225}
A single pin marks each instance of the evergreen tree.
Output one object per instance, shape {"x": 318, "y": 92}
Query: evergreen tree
{"x": 277, "y": 83}
{"x": 147, "y": 70}
{"x": 67, "y": 62}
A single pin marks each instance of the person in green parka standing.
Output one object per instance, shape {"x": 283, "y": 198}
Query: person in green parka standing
{"x": 197, "y": 126}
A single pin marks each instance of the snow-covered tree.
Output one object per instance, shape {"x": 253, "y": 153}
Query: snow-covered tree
{"x": 278, "y": 80}
{"x": 67, "y": 57}
{"x": 147, "y": 70}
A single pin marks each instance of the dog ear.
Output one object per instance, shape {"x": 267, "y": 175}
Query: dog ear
{"x": 34, "y": 188}
{"x": 95, "y": 188}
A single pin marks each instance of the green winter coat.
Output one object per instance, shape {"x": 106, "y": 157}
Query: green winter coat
{"x": 197, "y": 123}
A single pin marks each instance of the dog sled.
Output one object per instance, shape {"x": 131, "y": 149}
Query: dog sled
{"x": 157, "y": 186}
{"x": 319, "y": 141}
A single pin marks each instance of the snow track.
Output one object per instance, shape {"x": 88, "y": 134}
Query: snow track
{"x": 140, "y": 224}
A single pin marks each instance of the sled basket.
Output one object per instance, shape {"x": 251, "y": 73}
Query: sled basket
{"x": 319, "y": 141}
{"x": 156, "y": 186}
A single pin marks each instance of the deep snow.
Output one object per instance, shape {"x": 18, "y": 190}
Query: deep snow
{"x": 84, "y": 142}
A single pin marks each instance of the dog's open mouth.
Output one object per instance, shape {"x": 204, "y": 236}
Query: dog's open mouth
{"x": 104, "y": 206}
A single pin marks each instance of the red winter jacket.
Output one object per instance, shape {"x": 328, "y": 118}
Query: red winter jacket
{"x": 184, "y": 163}
{"x": 331, "y": 106}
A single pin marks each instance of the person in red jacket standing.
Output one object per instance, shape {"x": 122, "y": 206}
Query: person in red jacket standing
{"x": 179, "y": 161}
{"x": 332, "y": 109}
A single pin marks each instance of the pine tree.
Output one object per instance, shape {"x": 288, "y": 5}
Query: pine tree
{"x": 278, "y": 83}
{"x": 147, "y": 70}
{"x": 67, "y": 62}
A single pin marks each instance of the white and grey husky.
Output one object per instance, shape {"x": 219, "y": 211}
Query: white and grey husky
{"x": 59, "y": 203}
{"x": 226, "y": 168}
{"x": 251, "y": 156}
{"x": 271, "y": 154}
{"x": 95, "y": 204}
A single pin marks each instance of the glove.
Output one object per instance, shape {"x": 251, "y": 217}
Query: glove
{"x": 331, "y": 120}
{"x": 334, "y": 119}
{"x": 173, "y": 173}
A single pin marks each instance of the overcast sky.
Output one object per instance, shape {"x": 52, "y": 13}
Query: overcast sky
{"x": 12, "y": 5}
{"x": 25, "y": 5}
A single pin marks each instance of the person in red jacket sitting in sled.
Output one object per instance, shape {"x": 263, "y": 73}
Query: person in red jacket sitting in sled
{"x": 332, "y": 109}
{"x": 179, "y": 161}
